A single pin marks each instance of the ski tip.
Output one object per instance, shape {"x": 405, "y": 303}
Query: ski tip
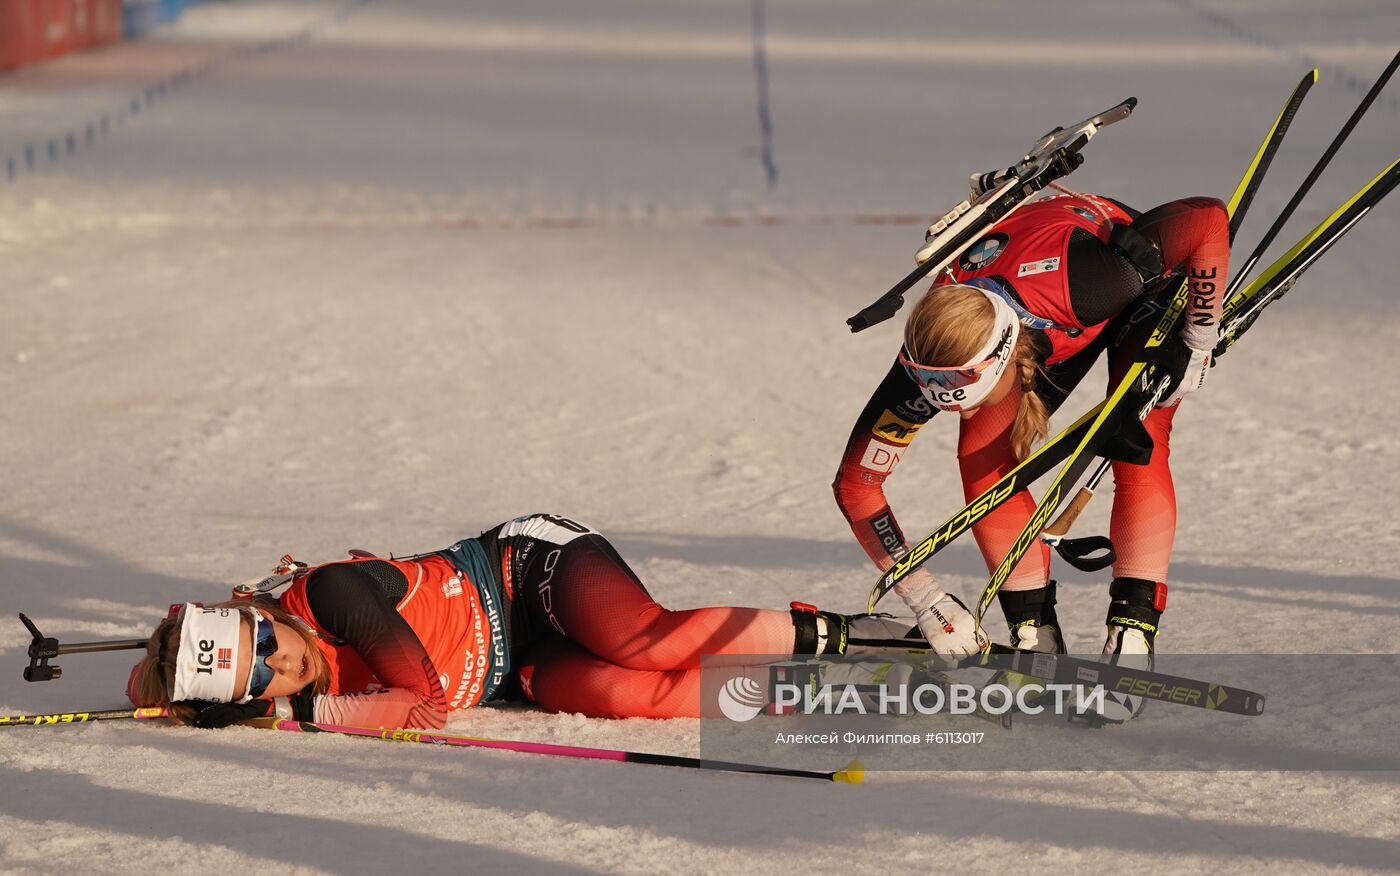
{"x": 853, "y": 774}
{"x": 1130, "y": 103}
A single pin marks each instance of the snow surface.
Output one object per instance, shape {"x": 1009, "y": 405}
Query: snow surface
{"x": 443, "y": 263}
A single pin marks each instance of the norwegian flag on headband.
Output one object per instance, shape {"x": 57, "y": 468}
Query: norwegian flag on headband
{"x": 206, "y": 660}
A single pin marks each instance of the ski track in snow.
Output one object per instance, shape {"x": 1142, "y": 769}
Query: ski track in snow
{"x": 419, "y": 266}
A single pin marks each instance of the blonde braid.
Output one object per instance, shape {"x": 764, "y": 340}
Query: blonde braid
{"x": 1032, "y": 422}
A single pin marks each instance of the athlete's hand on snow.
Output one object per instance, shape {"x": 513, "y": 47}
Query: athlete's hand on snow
{"x": 300, "y": 706}
{"x": 212, "y": 716}
{"x": 943, "y": 619}
{"x": 1186, "y": 369}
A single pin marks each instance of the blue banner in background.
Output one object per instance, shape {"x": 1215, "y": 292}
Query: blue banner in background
{"x": 139, "y": 17}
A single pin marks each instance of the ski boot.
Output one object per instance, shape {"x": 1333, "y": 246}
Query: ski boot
{"x": 825, "y": 633}
{"x": 1030, "y": 614}
{"x": 874, "y": 653}
{"x": 1133, "y": 619}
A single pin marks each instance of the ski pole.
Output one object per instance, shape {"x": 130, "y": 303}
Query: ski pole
{"x": 59, "y": 718}
{"x": 1080, "y": 552}
{"x": 44, "y": 648}
{"x": 1312, "y": 176}
{"x": 852, "y": 774}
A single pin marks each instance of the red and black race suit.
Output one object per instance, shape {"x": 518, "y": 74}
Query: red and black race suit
{"x": 1053, "y": 259}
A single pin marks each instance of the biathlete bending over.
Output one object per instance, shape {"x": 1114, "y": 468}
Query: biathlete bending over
{"x": 540, "y": 608}
{"x": 1034, "y": 304}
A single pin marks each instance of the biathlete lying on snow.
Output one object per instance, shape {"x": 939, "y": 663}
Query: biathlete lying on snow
{"x": 1035, "y": 302}
{"x": 540, "y": 608}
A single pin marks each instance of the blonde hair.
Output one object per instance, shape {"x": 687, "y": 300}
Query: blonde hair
{"x": 950, "y": 325}
{"x": 153, "y": 678}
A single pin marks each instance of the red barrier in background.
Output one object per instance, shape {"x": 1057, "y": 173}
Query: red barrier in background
{"x": 96, "y": 22}
{"x": 22, "y": 32}
{"x": 106, "y": 21}
{"x": 59, "y": 29}
{"x": 31, "y": 30}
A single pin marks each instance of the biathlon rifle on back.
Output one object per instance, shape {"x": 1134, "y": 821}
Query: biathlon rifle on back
{"x": 994, "y": 196}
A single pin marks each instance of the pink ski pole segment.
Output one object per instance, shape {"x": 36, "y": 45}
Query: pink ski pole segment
{"x": 852, "y": 774}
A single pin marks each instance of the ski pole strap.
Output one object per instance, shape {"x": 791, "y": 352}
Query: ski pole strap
{"x": 1088, "y": 554}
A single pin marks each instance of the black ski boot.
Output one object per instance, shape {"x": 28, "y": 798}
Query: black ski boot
{"x": 1031, "y": 616}
{"x": 1134, "y": 617}
{"x": 828, "y": 633}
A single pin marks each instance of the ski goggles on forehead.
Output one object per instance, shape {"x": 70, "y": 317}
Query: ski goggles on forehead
{"x": 264, "y": 646}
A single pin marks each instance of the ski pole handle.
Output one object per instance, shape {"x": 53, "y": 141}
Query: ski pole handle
{"x": 43, "y": 648}
{"x": 1085, "y": 554}
{"x": 60, "y": 718}
{"x": 1062, "y": 525}
{"x": 1056, "y": 531}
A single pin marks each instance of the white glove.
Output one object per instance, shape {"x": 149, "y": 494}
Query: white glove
{"x": 1193, "y": 375}
{"x": 947, "y": 624}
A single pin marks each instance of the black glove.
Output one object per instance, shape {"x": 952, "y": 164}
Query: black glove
{"x": 212, "y": 716}
{"x": 1179, "y": 363}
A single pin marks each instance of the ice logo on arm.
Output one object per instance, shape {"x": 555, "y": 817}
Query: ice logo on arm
{"x": 741, "y": 699}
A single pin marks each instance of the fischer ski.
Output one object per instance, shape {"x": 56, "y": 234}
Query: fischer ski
{"x": 1055, "y": 668}
{"x": 1241, "y": 312}
{"x": 1243, "y": 197}
{"x": 1311, "y": 178}
{"x": 994, "y": 196}
{"x": 1122, "y": 680}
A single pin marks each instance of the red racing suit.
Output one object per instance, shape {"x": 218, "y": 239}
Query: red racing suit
{"x": 540, "y": 608}
{"x": 1074, "y": 292}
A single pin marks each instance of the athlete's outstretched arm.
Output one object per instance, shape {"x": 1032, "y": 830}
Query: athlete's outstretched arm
{"x": 882, "y": 433}
{"x": 350, "y": 605}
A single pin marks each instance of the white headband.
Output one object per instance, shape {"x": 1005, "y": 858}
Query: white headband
{"x": 206, "y": 665}
{"x": 1004, "y": 318}
{"x": 1006, "y": 330}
